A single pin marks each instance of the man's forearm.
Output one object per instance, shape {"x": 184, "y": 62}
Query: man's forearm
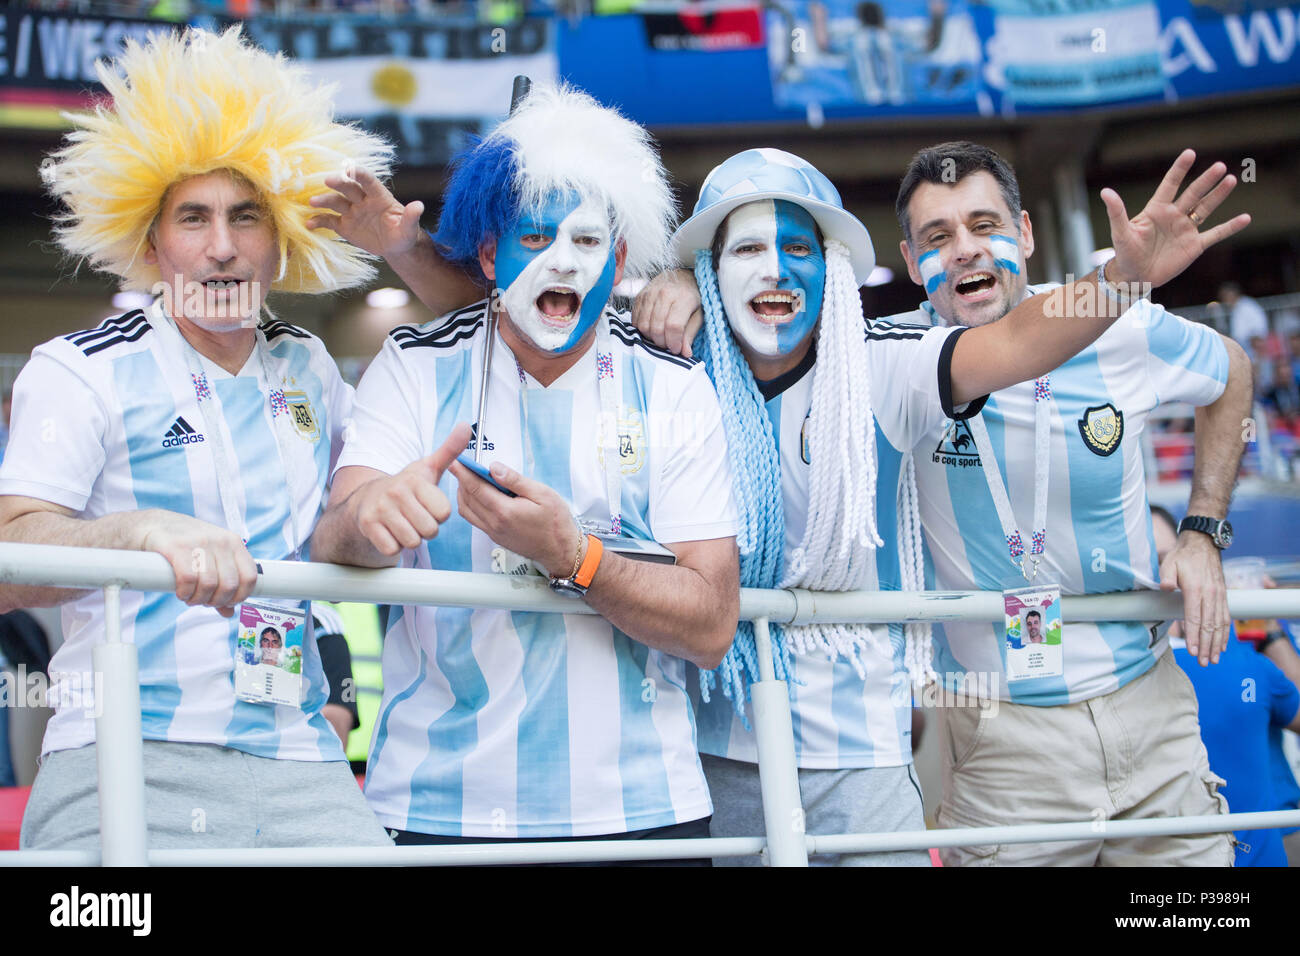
{"x": 338, "y": 539}
{"x": 1034, "y": 338}
{"x": 668, "y": 607}
{"x": 1281, "y": 653}
{"x": 1220, "y": 439}
{"x": 441, "y": 286}
{"x": 118, "y": 531}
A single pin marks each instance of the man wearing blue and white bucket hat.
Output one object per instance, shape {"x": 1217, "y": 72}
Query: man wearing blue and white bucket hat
{"x": 815, "y": 423}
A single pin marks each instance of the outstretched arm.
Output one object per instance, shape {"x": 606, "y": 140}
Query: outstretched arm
{"x": 363, "y": 211}
{"x": 1152, "y": 248}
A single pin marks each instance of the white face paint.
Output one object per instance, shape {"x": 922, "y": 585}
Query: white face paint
{"x": 558, "y": 267}
{"x": 749, "y": 266}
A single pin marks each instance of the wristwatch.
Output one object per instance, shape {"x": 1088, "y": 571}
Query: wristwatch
{"x": 1220, "y": 532}
{"x": 577, "y": 583}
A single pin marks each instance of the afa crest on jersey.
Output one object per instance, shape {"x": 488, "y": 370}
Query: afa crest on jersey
{"x": 303, "y": 415}
{"x": 631, "y": 444}
{"x": 1102, "y": 428}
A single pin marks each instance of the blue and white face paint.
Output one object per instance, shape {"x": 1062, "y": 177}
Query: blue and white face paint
{"x": 771, "y": 275}
{"x": 1006, "y": 253}
{"x": 932, "y": 271}
{"x": 556, "y": 267}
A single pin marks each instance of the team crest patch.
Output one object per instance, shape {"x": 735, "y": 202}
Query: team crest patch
{"x": 631, "y": 445}
{"x": 303, "y": 415}
{"x": 1102, "y": 427}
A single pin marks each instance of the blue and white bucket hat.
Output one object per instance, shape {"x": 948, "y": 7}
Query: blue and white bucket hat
{"x": 772, "y": 174}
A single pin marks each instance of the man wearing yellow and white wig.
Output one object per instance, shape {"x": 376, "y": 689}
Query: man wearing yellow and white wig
{"x": 197, "y": 429}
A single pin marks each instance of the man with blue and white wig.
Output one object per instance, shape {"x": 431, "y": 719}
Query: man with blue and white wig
{"x": 504, "y": 726}
{"x": 822, "y": 412}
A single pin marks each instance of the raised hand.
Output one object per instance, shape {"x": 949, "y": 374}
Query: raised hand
{"x": 369, "y": 216}
{"x": 1166, "y": 236}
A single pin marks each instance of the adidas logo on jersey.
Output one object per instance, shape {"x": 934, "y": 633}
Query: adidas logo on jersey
{"x": 181, "y": 434}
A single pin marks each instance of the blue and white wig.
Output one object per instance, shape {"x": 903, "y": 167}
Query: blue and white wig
{"x": 559, "y": 141}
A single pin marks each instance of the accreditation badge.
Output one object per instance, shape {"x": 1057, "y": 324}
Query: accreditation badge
{"x": 1033, "y": 646}
{"x": 268, "y": 652}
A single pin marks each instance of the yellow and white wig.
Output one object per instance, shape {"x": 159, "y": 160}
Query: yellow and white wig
{"x": 189, "y": 104}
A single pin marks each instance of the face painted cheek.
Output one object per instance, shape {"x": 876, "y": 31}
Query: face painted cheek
{"x": 1006, "y": 253}
{"x": 512, "y": 259}
{"x": 593, "y": 302}
{"x": 933, "y": 274}
{"x": 808, "y": 274}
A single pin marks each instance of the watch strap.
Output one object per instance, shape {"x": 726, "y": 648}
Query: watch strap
{"x": 590, "y": 561}
{"x": 1203, "y": 524}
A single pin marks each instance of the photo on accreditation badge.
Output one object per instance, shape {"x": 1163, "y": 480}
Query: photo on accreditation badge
{"x": 1033, "y": 641}
{"x": 268, "y": 658}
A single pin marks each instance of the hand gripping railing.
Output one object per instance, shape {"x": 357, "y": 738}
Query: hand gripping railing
{"x": 123, "y": 831}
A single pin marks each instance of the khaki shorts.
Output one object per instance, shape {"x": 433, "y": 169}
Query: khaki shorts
{"x": 1130, "y": 754}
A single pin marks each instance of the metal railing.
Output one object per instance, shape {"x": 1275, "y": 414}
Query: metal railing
{"x": 123, "y": 830}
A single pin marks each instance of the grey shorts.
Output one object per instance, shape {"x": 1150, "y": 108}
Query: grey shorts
{"x": 201, "y": 796}
{"x": 875, "y": 800}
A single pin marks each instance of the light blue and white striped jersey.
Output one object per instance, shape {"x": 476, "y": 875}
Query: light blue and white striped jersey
{"x": 1098, "y": 524}
{"x": 107, "y": 421}
{"x": 503, "y": 724}
{"x": 841, "y": 720}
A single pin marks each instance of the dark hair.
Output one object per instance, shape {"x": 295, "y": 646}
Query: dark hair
{"x": 272, "y": 631}
{"x": 1159, "y": 512}
{"x": 1032, "y": 613}
{"x": 870, "y": 14}
{"x": 950, "y": 163}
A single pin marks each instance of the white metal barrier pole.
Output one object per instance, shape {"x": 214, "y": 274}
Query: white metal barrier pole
{"x": 777, "y": 773}
{"x": 1053, "y": 832}
{"x": 119, "y": 743}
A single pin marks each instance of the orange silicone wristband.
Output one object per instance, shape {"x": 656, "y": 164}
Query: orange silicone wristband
{"x": 590, "y": 562}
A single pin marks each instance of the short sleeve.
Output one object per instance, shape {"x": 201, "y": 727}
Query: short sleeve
{"x": 692, "y": 498}
{"x": 1186, "y": 361}
{"x": 56, "y": 437}
{"x": 384, "y": 428}
{"x": 911, "y": 380}
{"x": 1283, "y": 695}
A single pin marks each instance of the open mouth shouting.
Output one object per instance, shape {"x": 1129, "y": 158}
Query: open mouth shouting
{"x": 976, "y": 287}
{"x": 778, "y": 306}
{"x": 558, "y": 306}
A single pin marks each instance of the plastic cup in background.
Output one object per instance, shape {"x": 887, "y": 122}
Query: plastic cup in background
{"x": 1244, "y": 573}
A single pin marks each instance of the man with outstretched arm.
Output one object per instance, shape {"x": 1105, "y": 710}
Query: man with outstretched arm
{"x": 1049, "y": 497}
{"x": 852, "y": 738}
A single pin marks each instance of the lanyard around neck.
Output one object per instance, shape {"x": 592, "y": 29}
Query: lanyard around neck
{"x": 213, "y": 418}
{"x": 1042, "y": 462}
{"x": 608, "y": 375}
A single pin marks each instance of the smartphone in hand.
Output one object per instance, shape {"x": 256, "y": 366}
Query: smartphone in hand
{"x": 466, "y": 459}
